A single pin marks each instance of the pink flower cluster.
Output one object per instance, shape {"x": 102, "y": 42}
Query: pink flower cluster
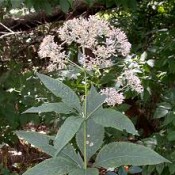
{"x": 113, "y": 97}
{"x": 93, "y": 34}
{"x": 133, "y": 81}
{"x": 49, "y": 48}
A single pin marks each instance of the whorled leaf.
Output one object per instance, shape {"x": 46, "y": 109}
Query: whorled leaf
{"x": 69, "y": 153}
{"x": 61, "y": 90}
{"x": 114, "y": 119}
{"x": 53, "y": 166}
{"x": 124, "y": 153}
{"x": 94, "y": 139}
{"x": 40, "y": 141}
{"x": 50, "y": 107}
{"x": 94, "y": 101}
{"x": 67, "y": 132}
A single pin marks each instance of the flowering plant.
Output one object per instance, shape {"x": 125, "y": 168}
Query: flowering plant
{"x": 98, "y": 44}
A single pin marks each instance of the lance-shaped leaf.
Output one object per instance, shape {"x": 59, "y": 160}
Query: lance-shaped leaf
{"x": 123, "y": 153}
{"x": 94, "y": 139}
{"x": 61, "y": 90}
{"x": 114, "y": 119}
{"x": 69, "y": 153}
{"x": 50, "y": 107}
{"x": 67, "y": 132}
{"x": 53, "y": 166}
{"x": 88, "y": 171}
{"x": 94, "y": 101}
{"x": 40, "y": 141}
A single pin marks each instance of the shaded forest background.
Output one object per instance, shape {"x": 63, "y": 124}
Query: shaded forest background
{"x": 150, "y": 28}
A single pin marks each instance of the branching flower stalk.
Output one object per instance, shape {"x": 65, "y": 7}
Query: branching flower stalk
{"x": 103, "y": 41}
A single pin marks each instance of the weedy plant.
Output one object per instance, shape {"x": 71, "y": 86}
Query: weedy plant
{"x": 98, "y": 45}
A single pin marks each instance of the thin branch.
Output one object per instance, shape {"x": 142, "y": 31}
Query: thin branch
{"x": 7, "y": 34}
{"x": 7, "y": 28}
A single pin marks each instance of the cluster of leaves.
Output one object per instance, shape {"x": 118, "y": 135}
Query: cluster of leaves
{"x": 88, "y": 126}
{"x": 163, "y": 141}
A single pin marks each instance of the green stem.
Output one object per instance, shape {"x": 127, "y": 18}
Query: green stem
{"x": 85, "y": 150}
{"x": 85, "y": 116}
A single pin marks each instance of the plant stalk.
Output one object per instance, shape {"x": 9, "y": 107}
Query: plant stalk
{"x": 85, "y": 116}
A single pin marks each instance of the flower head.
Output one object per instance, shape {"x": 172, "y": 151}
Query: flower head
{"x": 96, "y": 39}
{"x": 113, "y": 97}
{"x": 96, "y": 35}
{"x": 49, "y": 48}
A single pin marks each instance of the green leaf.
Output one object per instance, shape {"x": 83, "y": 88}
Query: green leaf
{"x": 122, "y": 171}
{"x": 165, "y": 105}
{"x": 71, "y": 3}
{"x": 69, "y": 153}
{"x": 160, "y": 167}
{"x": 123, "y": 153}
{"x": 16, "y": 3}
{"x": 90, "y": 2}
{"x": 134, "y": 170}
{"x": 171, "y": 135}
{"x": 94, "y": 101}
{"x": 65, "y": 5}
{"x": 95, "y": 136}
{"x": 160, "y": 112}
{"x": 53, "y": 166}
{"x": 114, "y": 119}
{"x": 38, "y": 140}
{"x": 169, "y": 118}
{"x": 89, "y": 171}
{"x": 67, "y": 132}
{"x": 50, "y": 107}
{"x": 171, "y": 168}
{"x": 61, "y": 90}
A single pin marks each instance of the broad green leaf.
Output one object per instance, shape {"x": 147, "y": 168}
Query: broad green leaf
{"x": 61, "y": 90}
{"x": 94, "y": 101}
{"x": 50, "y": 107}
{"x": 165, "y": 105}
{"x": 38, "y": 140}
{"x": 114, "y": 119}
{"x": 123, "y": 153}
{"x": 95, "y": 136}
{"x": 65, "y": 5}
{"x": 53, "y": 166}
{"x": 160, "y": 112}
{"x": 67, "y": 132}
{"x": 89, "y": 171}
{"x": 69, "y": 153}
